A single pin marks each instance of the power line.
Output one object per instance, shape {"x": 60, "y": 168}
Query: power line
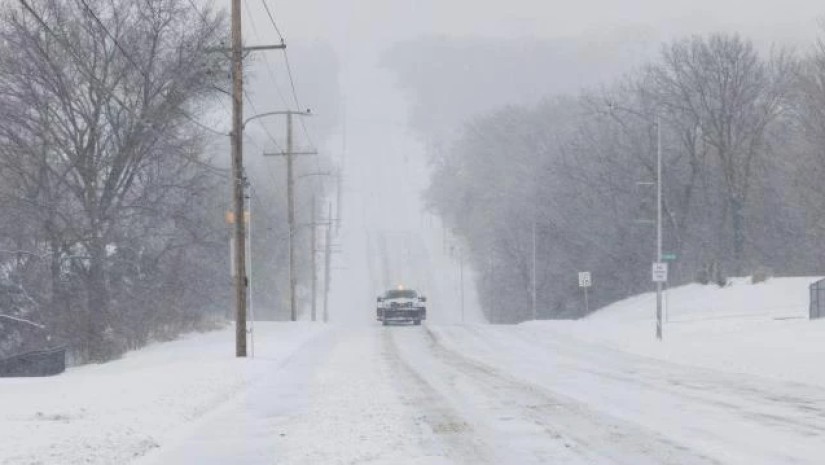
{"x": 295, "y": 97}
{"x": 288, "y": 71}
{"x": 264, "y": 211}
{"x": 261, "y": 124}
{"x": 272, "y": 20}
{"x": 268, "y": 67}
{"x": 291, "y": 81}
{"x": 274, "y": 77}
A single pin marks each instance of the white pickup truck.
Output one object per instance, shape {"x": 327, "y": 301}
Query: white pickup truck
{"x": 401, "y": 306}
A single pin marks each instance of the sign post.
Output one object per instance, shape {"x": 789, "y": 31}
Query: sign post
{"x": 585, "y": 281}
{"x": 659, "y": 272}
{"x": 659, "y": 275}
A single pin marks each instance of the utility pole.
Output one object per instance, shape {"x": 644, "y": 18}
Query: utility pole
{"x": 461, "y": 279}
{"x": 533, "y": 273}
{"x": 290, "y": 186}
{"x": 313, "y": 242}
{"x": 658, "y": 223}
{"x": 290, "y": 192}
{"x": 327, "y": 261}
{"x": 236, "y": 141}
{"x": 251, "y": 300}
{"x": 338, "y": 206}
{"x": 238, "y": 185}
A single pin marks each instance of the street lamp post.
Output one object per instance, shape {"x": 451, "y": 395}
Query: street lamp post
{"x": 659, "y": 281}
{"x": 658, "y": 223}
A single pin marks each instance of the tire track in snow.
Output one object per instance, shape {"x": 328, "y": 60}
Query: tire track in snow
{"x": 800, "y": 408}
{"x": 454, "y": 433}
{"x": 599, "y": 438}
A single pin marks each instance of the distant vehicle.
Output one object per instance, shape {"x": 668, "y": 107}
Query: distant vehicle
{"x": 401, "y": 306}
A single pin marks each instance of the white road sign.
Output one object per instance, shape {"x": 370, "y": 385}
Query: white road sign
{"x": 659, "y": 272}
{"x": 584, "y": 279}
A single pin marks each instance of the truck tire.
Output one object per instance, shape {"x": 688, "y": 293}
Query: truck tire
{"x": 417, "y": 322}
{"x": 385, "y": 322}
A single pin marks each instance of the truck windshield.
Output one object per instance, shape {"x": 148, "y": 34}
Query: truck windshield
{"x": 403, "y": 294}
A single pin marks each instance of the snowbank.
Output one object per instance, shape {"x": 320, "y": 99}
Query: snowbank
{"x": 760, "y": 329}
{"x": 115, "y": 412}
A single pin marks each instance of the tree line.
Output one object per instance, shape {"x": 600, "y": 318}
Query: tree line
{"x": 743, "y": 143}
{"x": 112, "y": 226}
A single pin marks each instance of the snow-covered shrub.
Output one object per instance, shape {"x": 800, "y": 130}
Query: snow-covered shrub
{"x": 761, "y": 274}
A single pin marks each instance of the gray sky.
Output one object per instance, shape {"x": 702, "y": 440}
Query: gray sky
{"x": 380, "y": 22}
{"x": 357, "y": 32}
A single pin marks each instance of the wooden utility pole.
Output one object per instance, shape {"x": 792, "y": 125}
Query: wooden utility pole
{"x": 290, "y": 185}
{"x": 327, "y": 260}
{"x": 338, "y": 201}
{"x": 238, "y": 183}
{"x": 236, "y": 141}
{"x": 314, "y": 251}
{"x": 313, "y": 243}
{"x": 461, "y": 280}
{"x": 290, "y": 193}
{"x": 533, "y": 273}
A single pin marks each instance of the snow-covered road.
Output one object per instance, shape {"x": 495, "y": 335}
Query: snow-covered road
{"x": 613, "y": 407}
{"x": 499, "y": 395}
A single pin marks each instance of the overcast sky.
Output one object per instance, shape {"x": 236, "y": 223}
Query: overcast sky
{"x": 357, "y": 32}
{"x": 380, "y": 22}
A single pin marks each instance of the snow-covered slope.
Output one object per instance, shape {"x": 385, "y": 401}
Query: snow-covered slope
{"x": 759, "y": 329}
{"x": 114, "y": 412}
{"x": 775, "y": 298}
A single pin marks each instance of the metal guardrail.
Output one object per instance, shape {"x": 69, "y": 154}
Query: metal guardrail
{"x": 48, "y": 362}
{"x": 817, "y": 308}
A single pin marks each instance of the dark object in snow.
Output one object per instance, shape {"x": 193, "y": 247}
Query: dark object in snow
{"x": 26, "y": 349}
{"x": 711, "y": 273}
{"x": 761, "y": 274}
{"x": 48, "y": 362}
{"x": 817, "y": 308}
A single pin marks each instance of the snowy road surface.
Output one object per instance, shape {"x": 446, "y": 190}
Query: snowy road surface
{"x": 498, "y": 395}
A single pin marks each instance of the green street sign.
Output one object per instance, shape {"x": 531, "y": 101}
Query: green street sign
{"x": 669, "y": 256}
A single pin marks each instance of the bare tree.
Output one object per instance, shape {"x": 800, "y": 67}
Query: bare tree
{"x": 720, "y": 90}
{"x": 98, "y": 130}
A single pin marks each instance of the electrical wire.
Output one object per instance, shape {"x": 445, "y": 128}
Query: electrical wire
{"x": 205, "y": 20}
{"x": 289, "y": 72}
{"x": 261, "y": 124}
{"x": 272, "y": 74}
{"x": 272, "y": 20}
